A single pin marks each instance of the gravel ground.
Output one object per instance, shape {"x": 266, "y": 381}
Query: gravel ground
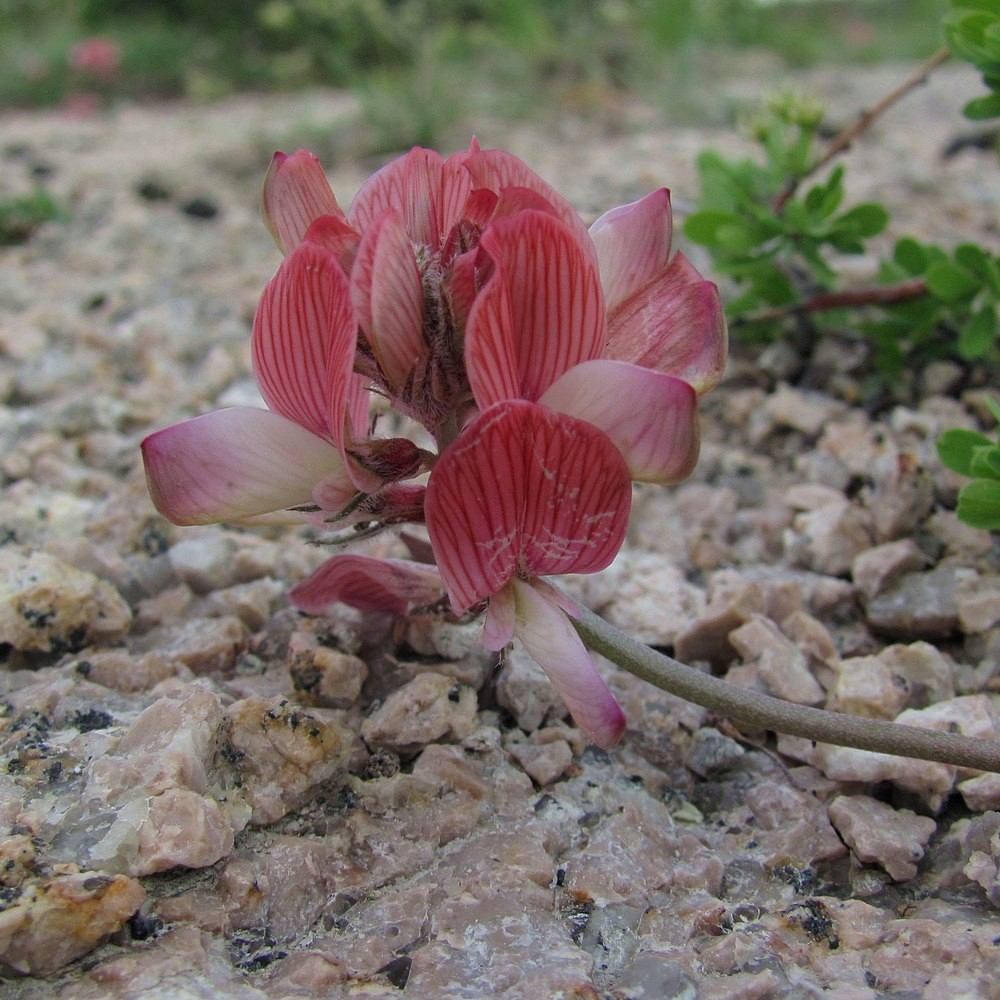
{"x": 204, "y": 794}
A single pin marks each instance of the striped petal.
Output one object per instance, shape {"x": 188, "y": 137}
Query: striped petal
{"x": 633, "y": 245}
{"x": 497, "y": 169}
{"x": 368, "y": 584}
{"x": 428, "y": 193}
{"x": 296, "y": 192}
{"x": 674, "y": 324}
{"x": 303, "y": 343}
{"x": 556, "y": 305}
{"x": 524, "y": 491}
{"x": 652, "y": 418}
{"x": 490, "y": 361}
{"x": 551, "y": 641}
{"x": 388, "y": 297}
{"x": 335, "y": 234}
{"x": 235, "y": 463}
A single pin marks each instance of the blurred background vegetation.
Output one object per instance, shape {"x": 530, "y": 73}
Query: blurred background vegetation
{"x": 428, "y": 59}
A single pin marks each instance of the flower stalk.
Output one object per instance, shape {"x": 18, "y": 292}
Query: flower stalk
{"x": 785, "y": 717}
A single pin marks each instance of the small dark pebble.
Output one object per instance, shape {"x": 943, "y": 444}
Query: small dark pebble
{"x": 144, "y": 926}
{"x": 200, "y": 208}
{"x": 397, "y": 970}
{"x": 92, "y": 719}
{"x": 153, "y": 190}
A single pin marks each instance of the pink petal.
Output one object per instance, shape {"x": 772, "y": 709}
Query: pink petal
{"x": 521, "y": 199}
{"x": 500, "y": 621}
{"x": 674, "y": 324}
{"x": 524, "y": 491}
{"x": 550, "y": 640}
{"x": 490, "y": 361}
{"x": 497, "y": 169}
{"x": 557, "y": 307}
{"x": 577, "y": 497}
{"x": 358, "y": 407}
{"x": 368, "y": 584}
{"x": 304, "y": 336}
{"x": 334, "y": 233}
{"x": 388, "y": 296}
{"x": 633, "y": 245}
{"x": 235, "y": 463}
{"x": 296, "y": 192}
{"x": 652, "y": 418}
{"x": 427, "y": 192}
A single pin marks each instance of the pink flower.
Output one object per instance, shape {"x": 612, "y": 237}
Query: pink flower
{"x": 97, "y": 56}
{"x": 551, "y": 364}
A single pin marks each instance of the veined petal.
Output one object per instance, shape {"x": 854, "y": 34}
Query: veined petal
{"x": 578, "y": 497}
{"x": 368, "y": 584}
{"x": 427, "y": 192}
{"x": 524, "y": 491}
{"x": 651, "y": 418}
{"x": 633, "y": 244}
{"x": 304, "y": 337}
{"x": 235, "y": 463}
{"x": 500, "y": 621}
{"x": 557, "y": 307}
{"x": 497, "y": 169}
{"x": 674, "y": 324}
{"x": 388, "y": 297}
{"x": 490, "y": 361}
{"x": 552, "y": 642}
{"x": 521, "y": 199}
{"x": 296, "y": 192}
{"x": 336, "y": 234}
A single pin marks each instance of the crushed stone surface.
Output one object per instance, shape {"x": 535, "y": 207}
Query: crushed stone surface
{"x": 206, "y": 794}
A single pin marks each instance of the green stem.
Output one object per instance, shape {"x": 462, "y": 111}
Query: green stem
{"x": 781, "y": 716}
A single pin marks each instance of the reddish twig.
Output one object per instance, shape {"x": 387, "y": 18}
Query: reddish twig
{"x": 846, "y": 136}
{"x": 855, "y": 298}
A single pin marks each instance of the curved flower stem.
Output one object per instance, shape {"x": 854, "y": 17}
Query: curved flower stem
{"x": 772, "y": 713}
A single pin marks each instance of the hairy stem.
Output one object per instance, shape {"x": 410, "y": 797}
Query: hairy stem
{"x": 781, "y": 716}
{"x": 843, "y": 139}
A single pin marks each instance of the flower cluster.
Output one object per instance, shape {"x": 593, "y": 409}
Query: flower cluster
{"x": 550, "y": 365}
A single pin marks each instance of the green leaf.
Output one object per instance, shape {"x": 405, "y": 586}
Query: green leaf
{"x": 955, "y": 448}
{"x": 993, "y": 5}
{"x": 949, "y": 282}
{"x": 911, "y": 255}
{"x": 864, "y": 220}
{"x": 703, "y": 227}
{"x": 978, "y": 335}
{"x": 979, "y": 504}
{"x": 993, "y": 406}
{"x": 980, "y": 108}
{"x": 985, "y": 462}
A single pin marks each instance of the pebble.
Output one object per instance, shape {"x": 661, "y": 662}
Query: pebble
{"x": 59, "y": 917}
{"x": 918, "y": 605}
{"x": 781, "y": 665}
{"x": 48, "y": 606}
{"x": 893, "y": 838}
{"x": 430, "y": 707}
{"x": 282, "y": 754}
{"x": 875, "y": 568}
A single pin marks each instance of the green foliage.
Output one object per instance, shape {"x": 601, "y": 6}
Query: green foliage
{"x": 20, "y": 217}
{"x": 972, "y": 31}
{"x": 780, "y": 243}
{"x": 978, "y": 457}
{"x": 956, "y": 318}
{"x": 776, "y": 247}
